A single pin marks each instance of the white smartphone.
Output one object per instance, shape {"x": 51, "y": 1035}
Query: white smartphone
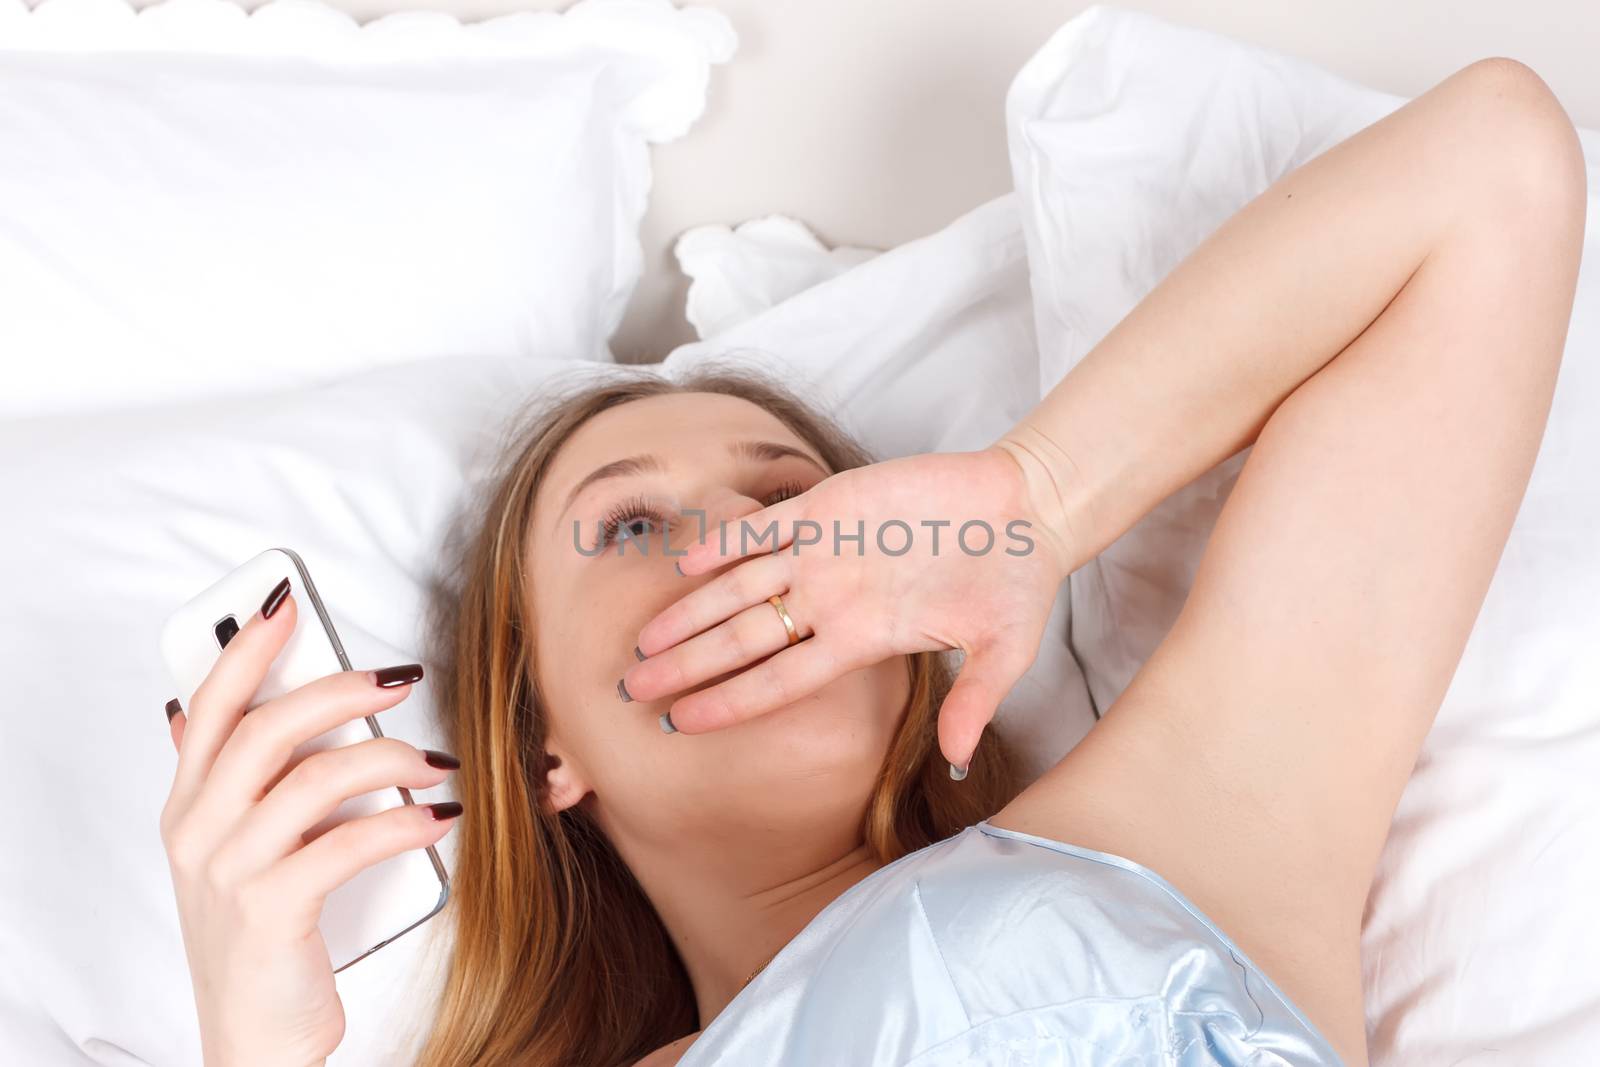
{"x": 388, "y": 898}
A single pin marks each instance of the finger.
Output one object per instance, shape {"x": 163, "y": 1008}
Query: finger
{"x": 747, "y": 535}
{"x": 750, "y": 635}
{"x": 259, "y": 749}
{"x": 301, "y": 881}
{"x": 312, "y": 791}
{"x": 714, "y": 602}
{"x": 782, "y": 679}
{"x": 986, "y": 676}
{"x": 218, "y": 704}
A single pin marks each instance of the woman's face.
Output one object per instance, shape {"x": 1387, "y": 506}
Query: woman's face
{"x": 803, "y": 767}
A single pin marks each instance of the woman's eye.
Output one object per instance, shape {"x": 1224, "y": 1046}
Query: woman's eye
{"x": 630, "y": 516}
{"x": 783, "y": 492}
{"x": 642, "y": 521}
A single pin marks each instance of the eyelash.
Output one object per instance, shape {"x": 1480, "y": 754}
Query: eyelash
{"x": 639, "y": 508}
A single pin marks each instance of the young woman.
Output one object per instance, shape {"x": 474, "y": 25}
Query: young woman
{"x": 686, "y": 766}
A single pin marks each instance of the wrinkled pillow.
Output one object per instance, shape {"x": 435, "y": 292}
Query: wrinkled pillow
{"x": 737, "y": 272}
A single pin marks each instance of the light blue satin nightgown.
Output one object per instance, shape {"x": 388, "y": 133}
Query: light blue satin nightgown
{"x": 994, "y": 948}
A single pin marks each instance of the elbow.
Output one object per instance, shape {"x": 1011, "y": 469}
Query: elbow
{"x": 1521, "y": 142}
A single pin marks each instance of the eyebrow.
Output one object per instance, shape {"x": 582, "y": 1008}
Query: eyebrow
{"x": 760, "y": 451}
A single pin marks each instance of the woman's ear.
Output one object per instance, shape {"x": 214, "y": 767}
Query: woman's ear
{"x": 561, "y": 787}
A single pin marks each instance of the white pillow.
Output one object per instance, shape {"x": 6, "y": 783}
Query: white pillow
{"x": 738, "y": 272}
{"x": 196, "y": 201}
{"x": 928, "y": 347}
{"x": 1132, "y": 139}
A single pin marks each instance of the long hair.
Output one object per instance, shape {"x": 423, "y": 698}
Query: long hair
{"x": 558, "y": 958}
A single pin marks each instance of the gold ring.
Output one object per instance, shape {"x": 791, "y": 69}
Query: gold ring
{"x": 788, "y": 624}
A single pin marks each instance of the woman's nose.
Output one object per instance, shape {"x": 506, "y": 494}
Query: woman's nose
{"x": 720, "y": 504}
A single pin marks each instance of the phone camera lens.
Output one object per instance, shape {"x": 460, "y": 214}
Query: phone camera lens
{"x": 225, "y": 630}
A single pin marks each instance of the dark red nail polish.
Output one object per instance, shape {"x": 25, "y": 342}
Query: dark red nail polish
{"x": 444, "y": 809}
{"x": 389, "y": 677}
{"x": 173, "y": 707}
{"x": 442, "y": 760}
{"x": 274, "y": 598}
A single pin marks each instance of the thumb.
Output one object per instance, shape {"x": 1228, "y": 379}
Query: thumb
{"x": 985, "y": 678}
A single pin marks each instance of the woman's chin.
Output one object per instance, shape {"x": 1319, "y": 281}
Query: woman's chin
{"x": 837, "y": 731}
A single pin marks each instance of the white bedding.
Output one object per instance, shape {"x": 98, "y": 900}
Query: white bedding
{"x": 195, "y": 202}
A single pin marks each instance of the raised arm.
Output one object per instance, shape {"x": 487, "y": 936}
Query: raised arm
{"x": 1385, "y": 324}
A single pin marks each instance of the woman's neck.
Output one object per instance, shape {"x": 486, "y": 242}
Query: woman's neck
{"x": 730, "y": 906}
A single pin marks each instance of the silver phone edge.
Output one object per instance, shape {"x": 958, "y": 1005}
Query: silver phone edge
{"x": 372, "y": 724}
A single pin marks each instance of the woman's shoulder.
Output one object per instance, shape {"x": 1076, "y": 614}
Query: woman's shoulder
{"x": 993, "y": 935}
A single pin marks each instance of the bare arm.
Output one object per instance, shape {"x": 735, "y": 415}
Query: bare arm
{"x": 1385, "y": 325}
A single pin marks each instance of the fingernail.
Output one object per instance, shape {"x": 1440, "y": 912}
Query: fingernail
{"x": 274, "y": 598}
{"x": 679, "y": 568}
{"x": 637, "y": 654}
{"x": 959, "y": 773}
{"x": 173, "y": 707}
{"x": 444, "y": 809}
{"x": 442, "y": 760}
{"x": 666, "y": 724}
{"x": 390, "y": 677}
{"x": 622, "y": 691}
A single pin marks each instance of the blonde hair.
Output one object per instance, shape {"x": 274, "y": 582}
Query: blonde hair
{"x": 558, "y": 958}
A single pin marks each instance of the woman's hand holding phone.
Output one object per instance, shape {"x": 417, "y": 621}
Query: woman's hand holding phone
{"x": 249, "y": 887}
